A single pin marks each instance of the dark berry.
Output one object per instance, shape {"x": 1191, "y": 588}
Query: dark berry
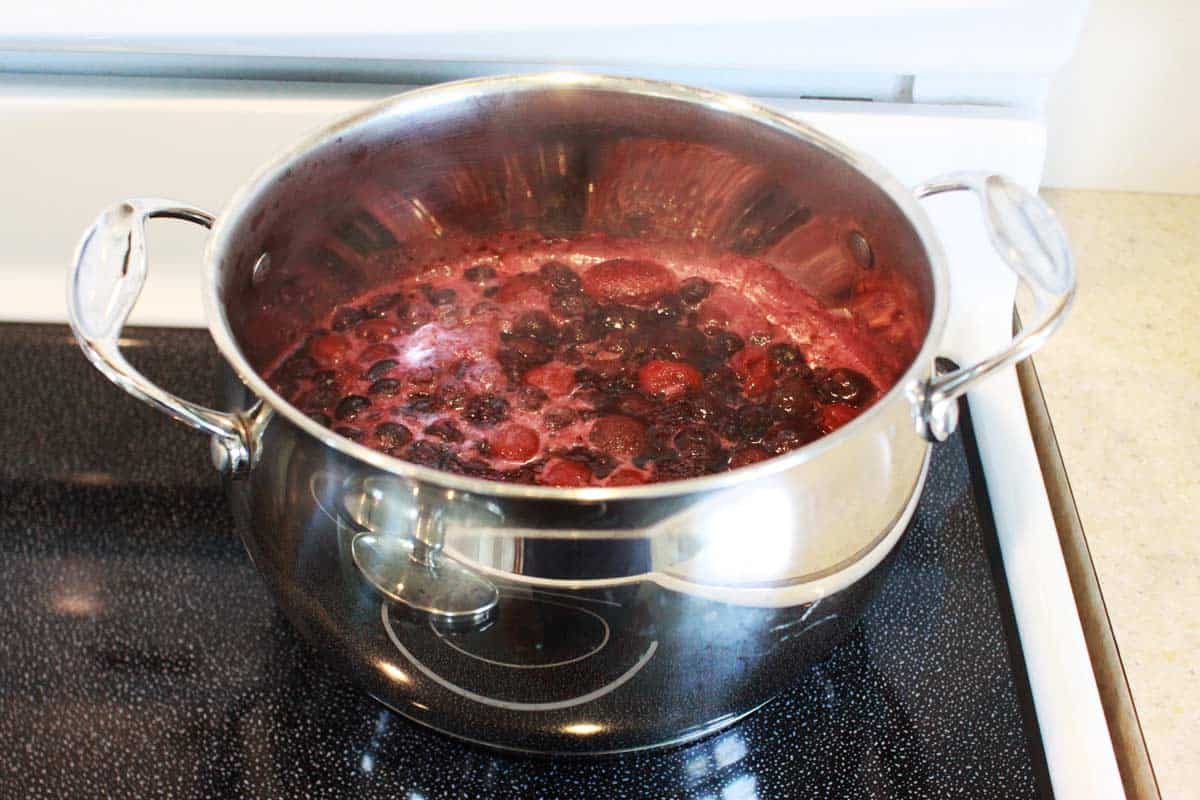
{"x": 520, "y": 354}
{"x": 536, "y": 325}
{"x": 321, "y": 397}
{"x": 455, "y": 396}
{"x": 392, "y": 435}
{"x": 485, "y": 410}
{"x": 570, "y": 304}
{"x": 845, "y": 386}
{"x": 530, "y": 398}
{"x": 753, "y": 422}
{"x": 484, "y": 308}
{"x": 442, "y": 297}
{"x": 412, "y": 316}
{"x": 480, "y": 273}
{"x": 351, "y": 406}
{"x": 381, "y": 368}
{"x": 561, "y": 277}
{"x": 794, "y": 397}
{"x": 558, "y": 418}
{"x": 428, "y": 454}
{"x": 351, "y": 433}
{"x": 385, "y": 387}
{"x": 785, "y": 353}
{"x": 379, "y": 306}
{"x": 614, "y": 316}
{"x": 491, "y": 291}
{"x": 693, "y": 290}
{"x": 696, "y": 442}
{"x": 422, "y": 402}
{"x": 667, "y": 309}
{"x": 760, "y": 338}
{"x": 675, "y": 469}
{"x": 580, "y": 331}
{"x": 319, "y": 418}
{"x": 786, "y": 436}
{"x": 347, "y": 317}
{"x": 445, "y": 430}
{"x": 723, "y": 344}
{"x": 298, "y": 366}
{"x": 327, "y": 377}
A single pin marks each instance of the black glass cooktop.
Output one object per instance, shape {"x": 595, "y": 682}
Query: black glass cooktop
{"x": 142, "y": 657}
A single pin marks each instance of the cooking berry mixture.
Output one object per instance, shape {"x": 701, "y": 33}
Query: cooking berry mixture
{"x": 585, "y": 364}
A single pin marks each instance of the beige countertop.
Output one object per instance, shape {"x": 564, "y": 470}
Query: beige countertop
{"x": 1122, "y": 382}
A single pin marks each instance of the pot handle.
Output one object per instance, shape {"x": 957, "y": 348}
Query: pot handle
{"x": 1027, "y": 236}
{"x": 107, "y": 277}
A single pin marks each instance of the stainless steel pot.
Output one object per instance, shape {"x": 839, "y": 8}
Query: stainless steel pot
{"x": 546, "y": 619}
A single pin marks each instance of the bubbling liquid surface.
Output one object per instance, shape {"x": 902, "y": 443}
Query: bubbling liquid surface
{"x": 591, "y": 362}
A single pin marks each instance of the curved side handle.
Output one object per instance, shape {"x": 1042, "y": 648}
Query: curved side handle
{"x": 1027, "y": 236}
{"x": 107, "y": 277}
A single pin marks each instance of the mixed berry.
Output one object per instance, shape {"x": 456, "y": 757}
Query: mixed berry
{"x": 569, "y": 369}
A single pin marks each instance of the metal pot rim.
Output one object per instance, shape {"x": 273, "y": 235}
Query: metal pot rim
{"x": 733, "y": 105}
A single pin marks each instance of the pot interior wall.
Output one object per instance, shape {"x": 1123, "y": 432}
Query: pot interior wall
{"x": 433, "y": 176}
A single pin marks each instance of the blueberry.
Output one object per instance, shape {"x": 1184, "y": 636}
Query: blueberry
{"x": 298, "y": 366}
{"x": 676, "y": 468}
{"x": 667, "y": 309}
{"x": 485, "y": 410}
{"x": 530, "y": 398}
{"x": 379, "y": 306}
{"x": 570, "y": 304}
{"x": 442, "y": 297}
{"x": 422, "y": 402}
{"x": 392, "y": 435}
{"x": 753, "y": 422}
{"x": 480, "y": 273}
{"x": 319, "y": 418}
{"x": 794, "y": 397}
{"x": 724, "y": 344}
{"x": 580, "y": 331}
{"x": 696, "y": 442}
{"x": 519, "y": 355}
{"x": 445, "y": 430}
{"x": 351, "y": 406}
{"x": 381, "y": 368}
{"x": 351, "y": 433}
{"x": 536, "y": 325}
{"x": 321, "y": 397}
{"x": 346, "y": 317}
{"x": 845, "y": 386}
{"x": 787, "y": 436}
{"x": 385, "y": 387}
{"x": 560, "y": 276}
{"x": 428, "y": 454}
{"x": 693, "y": 290}
{"x": 784, "y": 353}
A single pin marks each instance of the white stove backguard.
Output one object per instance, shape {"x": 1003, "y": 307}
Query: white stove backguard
{"x": 77, "y": 144}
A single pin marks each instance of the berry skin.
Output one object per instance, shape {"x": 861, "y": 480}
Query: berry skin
{"x": 515, "y": 443}
{"x": 565, "y": 472}
{"x": 618, "y": 435}
{"x": 626, "y": 280}
{"x": 668, "y": 379}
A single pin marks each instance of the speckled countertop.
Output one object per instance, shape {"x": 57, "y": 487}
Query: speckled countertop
{"x": 1122, "y": 382}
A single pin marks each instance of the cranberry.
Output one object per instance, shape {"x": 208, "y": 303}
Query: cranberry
{"x": 422, "y": 402}
{"x": 347, "y": 317}
{"x": 558, "y": 418}
{"x": 350, "y": 432}
{"x": 747, "y": 456}
{"x": 329, "y": 350}
{"x": 555, "y": 379}
{"x": 565, "y": 472}
{"x": 486, "y": 410}
{"x": 385, "y": 387}
{"x": 445, "y": 430}
{"x": 480, "y": 273}
{"x": 515, "y": 443}
{"x": 376, "y": 330}
{"x": 351, "y": 406}
{"x": 845, "y": 386}
{"x": 668, "y": 378}
{"x": 628, "y": 280}
{"x": 693, "y": 290}
{"x": 381, "y": 368}
{"x": 755, "y": 370}
{"x": 618, "y": 435}
{"x": 560, "y": 276}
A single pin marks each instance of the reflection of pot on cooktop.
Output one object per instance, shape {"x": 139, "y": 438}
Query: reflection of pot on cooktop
{"x": 540, "y": 651}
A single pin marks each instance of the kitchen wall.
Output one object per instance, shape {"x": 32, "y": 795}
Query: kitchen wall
{"x": 1124, "y": 113}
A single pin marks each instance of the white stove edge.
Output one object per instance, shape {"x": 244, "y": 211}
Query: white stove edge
{"x": 143, "y": 137}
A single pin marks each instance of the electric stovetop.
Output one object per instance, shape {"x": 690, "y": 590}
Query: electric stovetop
{"x": 143, "y": 657}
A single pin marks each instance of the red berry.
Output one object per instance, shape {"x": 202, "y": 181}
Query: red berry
{"x": 555, "y": 379}
{"x": 376, "y": 330}
{"x": 328, "y": 350}
{"x": 834, "y": 417}
{"x": 626, "y": 280}
{"x": 668, "y": 379}
{"x": 754, "y": 368}
{"x": 515, "y": 443}
{"x": 564, "y": 472}
{"x": 526, "y": 289}
{"x": 625, "y": 477}
{"x": 618, "y": 435}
